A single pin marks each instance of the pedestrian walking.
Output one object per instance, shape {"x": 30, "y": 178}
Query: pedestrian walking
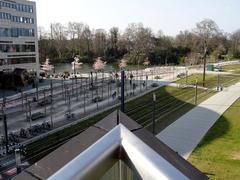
{"x": 114, "y": 95}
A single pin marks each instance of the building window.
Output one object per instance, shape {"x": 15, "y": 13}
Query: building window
{"x": 16, "y": 18}
{"x": 18, "y": 7}
{"x": 16, "y": 32}
{"x": 10, "y": 48}
{"x": 21, "y": 60}
{"x": 30, "y": 9}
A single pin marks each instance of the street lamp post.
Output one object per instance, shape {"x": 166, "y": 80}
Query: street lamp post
{"x": 138, "y": 74}
{"x": 5, "y": 123}
{"x": 75, "y": 77}
{"x": 37, "y": 87}
{"x": 45, "y": 104}
{"x": 51, "y": 109}
{"x": 74, "y": 69}
{"x": 6, "y": 131}
{"x": 122, "y": 91}
{"x": 65, "y": 93}
{"x": 62, "y": 87}
{"x": 196, "y": 92}
{"x": 146, "y": 81}
{"x": 140, "y": 77}
{"x": 77, "y": 90}
{"x": 186, "y": 75}
{"x": 84, "y": 100}
{"x": 69, "y": 102}
{"x": 110, "y": 88}
{"x": 108, "y": 84}
{"x": 30, "y": 113}
{"x": 153, "y": 117}
{"x": 26, "y": 106}
{"x": 51, "y": 86}
{"x": 72, "y": 87}
{"x": 81, "y": 84}
{"x": 97, "y": 96}
{"x": 90, "y": 85}
{"x": 22, "y": 99}
{"x": 102, "y": 82}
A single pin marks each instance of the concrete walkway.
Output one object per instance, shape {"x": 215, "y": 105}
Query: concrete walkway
{"x": 186, "y": 133}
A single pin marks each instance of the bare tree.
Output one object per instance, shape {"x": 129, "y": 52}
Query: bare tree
{"x": 114, "y": 38}
{"x": 87, "y": 39}
{"x": 59, "y": 35}
{"x": 79, "y": 29}
{"x": 235, "y": 43}
{"x": 139, "y": 41}
{"x": 44, "y": 45}
{"x": 72, "y": 35}
{"x": 206, "y": 30}
{"x": 99, "y": 42}
{"x": 188, "y": 39}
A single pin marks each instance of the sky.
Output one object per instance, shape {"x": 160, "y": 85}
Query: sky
{"x": 169, "y": 16}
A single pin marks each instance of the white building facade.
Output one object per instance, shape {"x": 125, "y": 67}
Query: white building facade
{"x": 18, "y": 35}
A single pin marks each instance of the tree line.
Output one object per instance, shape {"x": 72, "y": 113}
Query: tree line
{"x": 206, "y": 42}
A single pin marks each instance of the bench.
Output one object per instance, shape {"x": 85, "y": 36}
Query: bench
{"x": 44, "y": 102}
{"x": 36, "y": 116}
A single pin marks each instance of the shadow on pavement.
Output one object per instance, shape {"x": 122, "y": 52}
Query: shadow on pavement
{"x": 180, "y": 108}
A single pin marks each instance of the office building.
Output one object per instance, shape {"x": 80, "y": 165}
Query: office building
{"x": 18, "y": 35}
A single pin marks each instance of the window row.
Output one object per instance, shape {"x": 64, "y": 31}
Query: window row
{"x": 16, "y": 18}
{"x": 16, "y": 32}
{"x": 18, "y": 7}
{"x": 9, "y": 48}
{"x": 17, "y": 61}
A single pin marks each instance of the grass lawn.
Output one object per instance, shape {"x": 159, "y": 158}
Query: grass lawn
{"x": 218, "y": 154}
{"x": 211, "y": 80}
{"x": 171, "y": 103}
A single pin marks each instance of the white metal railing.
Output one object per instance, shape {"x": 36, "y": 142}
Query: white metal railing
{"x": 90, "y": 163}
